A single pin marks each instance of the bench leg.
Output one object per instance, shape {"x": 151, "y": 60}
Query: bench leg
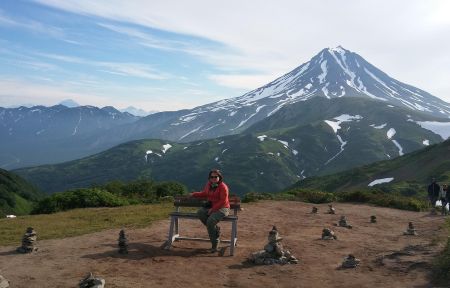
{"x": 172, "y": 235}
{"x": 233, "y": 237}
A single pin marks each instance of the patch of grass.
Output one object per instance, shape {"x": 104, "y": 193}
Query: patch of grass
{"x": 81, "y": 221}
{"x": 378, "y": 198}
{"x": 441, "y": 266}
{"x": 385, "y": 200}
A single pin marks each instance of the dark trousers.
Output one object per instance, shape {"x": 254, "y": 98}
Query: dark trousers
{"x": 210, "y": 221}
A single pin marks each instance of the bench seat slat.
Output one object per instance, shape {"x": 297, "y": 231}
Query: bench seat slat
{"x": 194, "y": 216}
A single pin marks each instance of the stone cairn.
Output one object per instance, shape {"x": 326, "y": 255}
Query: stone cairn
{"x": 123, "y": 242}
{"x": 331, "y": 209}
{"x": 28, "y": 241}
{"x": 273, "y": 252}
{"x": 4, "y": 283}
{"x": 314, "y": 210}
{"x": 350, "y": 262}
{"x": 411, "y": 230}
{"x": 91, "y": 282}
{"x": 373, "y": 219}
{"x": 343, "y": 222}
{"x": 328, "y": 234}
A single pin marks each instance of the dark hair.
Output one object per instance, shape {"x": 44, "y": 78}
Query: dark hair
{"x": 216, "y": 171}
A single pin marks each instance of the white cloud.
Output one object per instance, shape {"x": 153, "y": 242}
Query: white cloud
{"x": 117, "y": 68}
{"x": 239, "y": 81}
{"x": 38, "y": 94}
{"x": 35, "y": 26}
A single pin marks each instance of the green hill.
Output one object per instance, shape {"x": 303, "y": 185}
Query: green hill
{"x": 16, "y": 194}
{"x": 411, "y": 173}
{"x": 296, "y": 142}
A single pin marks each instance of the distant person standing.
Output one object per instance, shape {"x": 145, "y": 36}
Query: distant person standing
{"x": 444, "y": 196}
{"x": 433, "y": 192}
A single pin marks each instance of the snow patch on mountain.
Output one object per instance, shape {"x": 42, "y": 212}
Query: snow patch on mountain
{"x": 390, "y": 133}
{"x": 166, "y": 147}
{"x": 322, "y": 76}
{"x": 335, "y": 125}
{"x": 426, "y": 142}
{"x": 190, "y": 132}
{"x": 75, "y": 130}
{"x": 147, "y": 153}
{"x": 285, "y": 143}
{"x": 400, "y": 148}
{"x": 261, "y": 137}
{"x": 380, "y": 181}
{"x": 343, "y": 143}
{"x": 379, "y": 126}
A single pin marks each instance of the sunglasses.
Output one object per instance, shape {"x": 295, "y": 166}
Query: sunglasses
{"x": 211, "y": 177}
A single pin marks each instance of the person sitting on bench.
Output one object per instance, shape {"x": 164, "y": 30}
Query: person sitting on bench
{"x": 217, "y": 207}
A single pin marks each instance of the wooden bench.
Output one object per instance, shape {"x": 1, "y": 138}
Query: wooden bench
{"x": 186, "y": 201}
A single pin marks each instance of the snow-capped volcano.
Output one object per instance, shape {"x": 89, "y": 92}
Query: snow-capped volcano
{"x": 337, "y": 72}
{"x": 334, "y": 72}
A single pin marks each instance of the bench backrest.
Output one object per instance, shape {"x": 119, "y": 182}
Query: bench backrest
{"x": 186, "y": 201}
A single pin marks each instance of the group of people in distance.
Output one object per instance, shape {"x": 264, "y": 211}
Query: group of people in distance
{"x": 437, "y": 192}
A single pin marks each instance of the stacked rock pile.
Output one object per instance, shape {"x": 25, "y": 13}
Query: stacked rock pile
{"x": 273, "y": 252}
{"x": 314, "y": 210}
{"x": 4, "y": 283}
{"x": 343, "y": 222}
{"x": 350, "y": 262}
{"x": 91, "y": 282}
{"x": 123, "y": 242}
{"x": 331, "y": 209}
{"x": 373, "y": 219}
{"x": 328, "y": 234}
{"x": 28, "y": 241}
{"x": 411, "y": 230}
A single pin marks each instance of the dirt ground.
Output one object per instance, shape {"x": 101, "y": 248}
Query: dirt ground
{"x": 388, "y": 258}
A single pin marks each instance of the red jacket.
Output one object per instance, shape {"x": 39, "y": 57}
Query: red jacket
{"x": 218, "y": 196}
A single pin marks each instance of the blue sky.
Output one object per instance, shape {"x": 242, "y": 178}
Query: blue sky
{"x": 170, "y": 55}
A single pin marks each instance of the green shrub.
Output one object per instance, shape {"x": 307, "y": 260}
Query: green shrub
{"x": 310, "y": 196}
{"x": 80, "y": 198}
{"x": 165, "y": 189}
{"x": 253, "y": 197}
{"x": 384, "y": 200}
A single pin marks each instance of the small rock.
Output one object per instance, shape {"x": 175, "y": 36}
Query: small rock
{"x": 410, "y": 230}
{"x": 123, "y": 242}
{"x": 28, "y": 241}
{"x": 331, "y": 209}
{"x": 328, "y": 234}
{"x": 92, "y": 282}
{"x": 343, "y": 223}
{"x": 350, "y": 262}
{"x": 4, "y": 283}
